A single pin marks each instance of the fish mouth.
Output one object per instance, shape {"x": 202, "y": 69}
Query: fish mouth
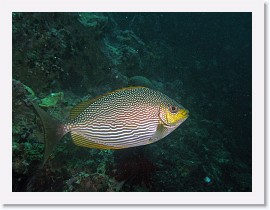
{"x": 184, "y": 113}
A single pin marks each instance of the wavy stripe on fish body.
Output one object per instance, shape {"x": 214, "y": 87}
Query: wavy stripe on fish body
{"x": 126, "y": 135}
{"x": 123, "y": 138}
{"x": 122, "y": 135}
{"x": 131, "y": 140}
{"x": 123, "y": 131}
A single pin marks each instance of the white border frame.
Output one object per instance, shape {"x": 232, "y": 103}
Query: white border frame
{"x": 254, "y": 6}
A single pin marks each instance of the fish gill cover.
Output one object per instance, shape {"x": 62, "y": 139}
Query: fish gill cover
{"x": 200, "y": 60}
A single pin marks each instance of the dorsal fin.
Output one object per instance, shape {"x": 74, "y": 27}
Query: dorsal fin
{"x": 84, "y": 142}
{"x": 79, "y": 108}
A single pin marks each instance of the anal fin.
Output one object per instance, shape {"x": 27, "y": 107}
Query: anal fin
{"x": 84, "y": 142}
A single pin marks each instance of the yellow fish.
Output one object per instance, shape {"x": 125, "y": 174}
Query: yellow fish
{"x": 128, "y": 117}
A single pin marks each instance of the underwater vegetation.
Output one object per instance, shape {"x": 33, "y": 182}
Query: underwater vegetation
{"x": 201, "y": 60}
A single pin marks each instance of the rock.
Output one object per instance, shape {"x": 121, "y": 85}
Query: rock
{"x": 93, "y": 19}
{"x": 140, "y": 81}
{"x": 158, "y": 85}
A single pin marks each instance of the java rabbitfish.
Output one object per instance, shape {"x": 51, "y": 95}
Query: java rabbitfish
{"x": 125, "y": 118}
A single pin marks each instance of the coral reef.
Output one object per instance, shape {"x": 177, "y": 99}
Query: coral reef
{"x": 202, "y": 60}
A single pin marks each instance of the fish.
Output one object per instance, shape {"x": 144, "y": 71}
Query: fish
{"x": 124, "y": 118}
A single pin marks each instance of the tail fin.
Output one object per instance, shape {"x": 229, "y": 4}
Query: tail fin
{"x": 53, "y": 131}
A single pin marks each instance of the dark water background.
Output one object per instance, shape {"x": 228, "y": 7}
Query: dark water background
{"x": 202, "y": 60}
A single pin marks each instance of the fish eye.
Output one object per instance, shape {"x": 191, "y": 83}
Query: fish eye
{"x": 173, "y": 109}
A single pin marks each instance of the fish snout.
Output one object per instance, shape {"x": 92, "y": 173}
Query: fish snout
{"x": 184, "y": 113}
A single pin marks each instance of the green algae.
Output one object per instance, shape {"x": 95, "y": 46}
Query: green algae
{"x": 51, "y": 100}
{"x": 29, "y": 90}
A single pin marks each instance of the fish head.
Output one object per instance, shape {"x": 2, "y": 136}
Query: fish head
{"x": 173, "y": 114}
